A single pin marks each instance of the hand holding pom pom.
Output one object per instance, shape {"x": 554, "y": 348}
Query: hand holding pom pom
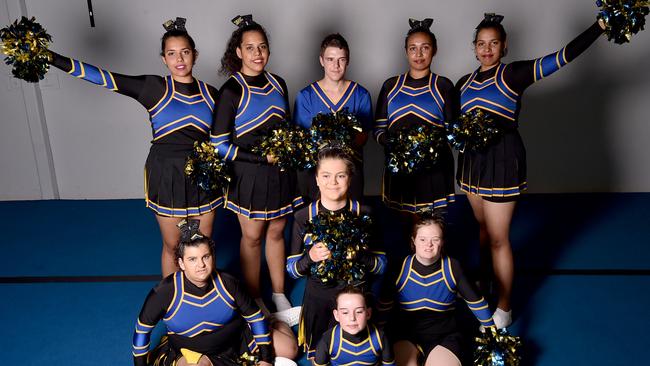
{"x": 413, "y": 148}
{"x": 288, "y": 146}
{"x": 622, "y": 18}
{"x": 475, "y": 130}
{"x": 206, "y": 168}
{"x": 497, "y": 348}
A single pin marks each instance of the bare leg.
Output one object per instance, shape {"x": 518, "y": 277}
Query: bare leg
{"x": 498, "y": 216}
{"x": 406, "y": 354}
{"x": 441, "y": 356}
{"x": 284, "y": 341}
{"x": 275, "y": 256}
{"x": 250, "y": 251}
{"x": 203, "y": 361}
{"x": 170, "y": 237}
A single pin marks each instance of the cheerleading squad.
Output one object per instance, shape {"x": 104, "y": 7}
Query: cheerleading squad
{"x": 212, "y": 318}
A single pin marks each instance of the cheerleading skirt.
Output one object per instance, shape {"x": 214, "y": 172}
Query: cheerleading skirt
{"x": 426, "y": 334}
{"x": 167, "y": 190}
{"x": 431, "y": 188}
{"x": 237, "y": 339}
{"x": 262, "y": 191}
{"x": 316, "y": 316}
{"x": 309, "y": 190}
{"x": 498, "y": 173}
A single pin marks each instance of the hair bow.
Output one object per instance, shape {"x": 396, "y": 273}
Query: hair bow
{"x": 190, "y": 230}
{"x": 178, "y": 24}
{"x": 492, "y": 18}
{"x": 242, "y": 20}
{"x": 420, "y": 24}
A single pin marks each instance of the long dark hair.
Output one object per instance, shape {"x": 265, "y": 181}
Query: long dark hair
{"x": 230, "y": 63}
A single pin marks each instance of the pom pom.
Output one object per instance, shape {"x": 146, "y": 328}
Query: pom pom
{"x": 290, "y": 145}
{"x": 347, "y": 237}
{"x": 497, "y": 348}
{"x": 25, "y": 44}
{"x": 248, "y": 359}
{"x": 341, "y": 127}
{"x": 413, "y": 148}
{"x": 206, "y": 168}
{"x": 475, "y": 130}
{"x": 622, "y": 18}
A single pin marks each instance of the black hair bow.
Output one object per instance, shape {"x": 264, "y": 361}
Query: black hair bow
{"x": 242, "y": 20}
{"x": 492, "y": 18}
{"x": 190, "y": 230}
{"x": 178, "y": 24}
{"x": 420, "y": 24}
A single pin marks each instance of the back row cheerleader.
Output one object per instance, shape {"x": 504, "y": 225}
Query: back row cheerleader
{"x": 418, "y": 97}
{"x": 252, "y": 103}
{"x": 493, "y": 179}
{"x": 180, "y": 109}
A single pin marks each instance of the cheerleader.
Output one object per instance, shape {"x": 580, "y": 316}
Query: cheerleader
{"x": 252, "y": 102}
{"x": 411, "y": 99}
{"x": 334, "y": 93}
{"x": 210, "y": 318}
{"x": 353, "y": 341}
{"x": 493, "y": 179}
{"x": 333, "y": 174}
{"x": 180, "y": 110}
{"x": 423, "y": 325}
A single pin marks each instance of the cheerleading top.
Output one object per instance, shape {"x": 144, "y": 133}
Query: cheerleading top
{"x": 299, "y": 262}
{"x": 312, "y": 100}
{"x": 404, "y": 100}
{"x": 368, "y": 347}
{"x": 194, "y": 316}
{"x": 499, "y": 89}
{"x": 426, "y": 295}
{"x": 249, "y": 108}
{"x": 180, "y": 113}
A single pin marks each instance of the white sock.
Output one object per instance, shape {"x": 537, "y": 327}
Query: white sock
{"x": 262, "y": 306}
{"x": 502, "y": 319}
{"x": 281, "y": 302}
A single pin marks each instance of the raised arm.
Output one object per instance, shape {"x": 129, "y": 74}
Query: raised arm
{"x": 521, "y": 74}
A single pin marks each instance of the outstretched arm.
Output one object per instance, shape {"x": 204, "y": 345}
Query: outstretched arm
{"x": 521, "y": 74}
{"x": 146, "y": 89}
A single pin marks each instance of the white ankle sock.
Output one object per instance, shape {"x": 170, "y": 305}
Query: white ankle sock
{"x": 281, "y": 302}
{"x": 502, "y": 319}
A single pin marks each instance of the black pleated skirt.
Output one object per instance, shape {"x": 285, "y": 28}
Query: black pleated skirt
{"x": 497, "y": 173}
{"x": 316, "y": 317}
{"x": 262, "y": 191}
{"x": 168, "y": 191}
{"x": 432, "y": 188}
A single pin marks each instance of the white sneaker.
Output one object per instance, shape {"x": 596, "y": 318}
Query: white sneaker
{"x": 502, "y": 319}
{"x": 290, "y": 316}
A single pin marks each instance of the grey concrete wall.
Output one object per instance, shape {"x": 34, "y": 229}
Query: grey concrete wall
{"x": 586, "y": 127}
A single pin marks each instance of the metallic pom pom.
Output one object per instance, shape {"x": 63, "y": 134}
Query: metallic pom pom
{"x": 622, "y": 18}
{"x": 206, "y": 168}
{"x": 413, "y": 148}
{"x": 347, "y": 237}
{"x": 475, "y": 130}
{"x": 338, "y": 127}
{"x": 291, "y": 145}
{"x": 248, "y": 359}
{"x": 497, "y": 348}
{"x": 25, "y": 45}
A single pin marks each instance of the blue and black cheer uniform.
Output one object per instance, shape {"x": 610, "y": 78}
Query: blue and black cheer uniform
{"x": 404, "y": 102}
{"x": 366, "y": 348}
{"x": 220, "y": 321}
{"x": 423, "y": 300}
{"x": 249, "y": 108}
{"x": 180, "y": 114}
{"x": 498, "y": 173}
{"x": 319, "y": 298}
{"x": 311, "y": 101}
